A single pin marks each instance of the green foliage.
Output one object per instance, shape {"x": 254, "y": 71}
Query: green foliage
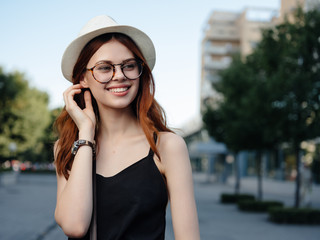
{"x": 10, "y": 86}
{"x": 235, "y": 198}
{"x": 245, "y": 118}
{"x": 24, "y": 118}
{"x": 288, "y": 56}
{"x": 294, "y": 215}
{"x": 293, "y": 74}
{"x": 233, "y": 85}
{"x": 50, "y": 136}
{"x": 258, "y": 206}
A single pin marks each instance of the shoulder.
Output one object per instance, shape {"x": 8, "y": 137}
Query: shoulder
{"x": 170, "y": 142}
{"x": 173, "y": 150}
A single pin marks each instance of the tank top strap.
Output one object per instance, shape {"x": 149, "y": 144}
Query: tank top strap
{"x": 155, "y": 137}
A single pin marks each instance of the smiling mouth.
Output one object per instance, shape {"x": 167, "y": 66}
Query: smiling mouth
{"x": 118, "y": 90}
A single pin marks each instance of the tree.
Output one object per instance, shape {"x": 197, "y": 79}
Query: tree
{"x": 24, "y": 115}
{"x": 49, "y": 137}
{"x": 10, "y": 85}
{"x": 243, "y": 120}
{"x": 291, "y": 54}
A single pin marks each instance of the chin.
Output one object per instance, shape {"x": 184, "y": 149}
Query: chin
{"x": 118, "y": 105}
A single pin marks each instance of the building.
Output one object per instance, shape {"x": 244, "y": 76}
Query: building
{"x": 227, "y": 33}
{"x": 221, "y": 40}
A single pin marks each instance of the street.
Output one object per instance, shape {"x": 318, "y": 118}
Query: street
{"x": 27, "y": 211}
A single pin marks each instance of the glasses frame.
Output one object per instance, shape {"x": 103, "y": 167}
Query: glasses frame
{"x": 114, "y": 69}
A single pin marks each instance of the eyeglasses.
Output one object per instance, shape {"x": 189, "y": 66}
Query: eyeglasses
{"x": 104, "y": 72}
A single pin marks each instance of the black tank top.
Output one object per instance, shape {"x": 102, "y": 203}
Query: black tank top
{"x": 132, "y": 204}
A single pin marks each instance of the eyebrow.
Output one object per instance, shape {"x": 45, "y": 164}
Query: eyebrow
{"x": 110, "y": 62}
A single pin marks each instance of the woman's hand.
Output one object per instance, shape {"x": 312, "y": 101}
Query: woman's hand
{"x": 84, "y": 118}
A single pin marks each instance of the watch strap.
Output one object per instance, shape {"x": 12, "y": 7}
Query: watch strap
{"x": 81, "y": 142}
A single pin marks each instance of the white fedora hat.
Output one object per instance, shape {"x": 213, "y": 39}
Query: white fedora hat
{"x": 100, "y": 25}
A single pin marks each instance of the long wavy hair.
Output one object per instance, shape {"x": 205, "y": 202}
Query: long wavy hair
{"x": 148, "y": 112}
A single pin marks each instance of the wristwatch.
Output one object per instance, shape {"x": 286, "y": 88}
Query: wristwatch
{"x": 77, "y": 144}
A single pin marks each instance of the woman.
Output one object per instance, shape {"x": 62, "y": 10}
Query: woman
{"x": 112, "y": 120}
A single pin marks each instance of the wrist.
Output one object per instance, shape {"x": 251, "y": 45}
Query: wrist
{"x": 81, "y": 142}
{"x": 87, "y": 135}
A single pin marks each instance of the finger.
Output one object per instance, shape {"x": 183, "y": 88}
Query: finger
{"x": 78, "y": 85}
{"x": 87, "y": 99}
{"x": 70, "y": 103}
{"x": 71, "y": 88}
{"x": 68, "y": 95}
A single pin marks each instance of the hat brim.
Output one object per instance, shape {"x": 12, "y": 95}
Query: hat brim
{"x": 74, "y": 49}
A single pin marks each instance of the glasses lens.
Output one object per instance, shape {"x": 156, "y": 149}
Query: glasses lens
{"x": 132, "y": 69}
{"x": 103, "y": 72}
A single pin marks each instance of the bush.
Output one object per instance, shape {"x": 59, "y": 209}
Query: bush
{"x": 5, "y": 169}
{"x": 258, "y": 206}
{"x": 234, "y": 198}
{"x": 294, "y": 215}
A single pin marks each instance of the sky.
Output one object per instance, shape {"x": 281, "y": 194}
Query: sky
{"x": 34, "y": 35}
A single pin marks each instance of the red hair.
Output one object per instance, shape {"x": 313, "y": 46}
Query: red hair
{"x": 148, "y": 112}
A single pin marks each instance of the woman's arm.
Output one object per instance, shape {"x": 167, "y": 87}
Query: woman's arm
{"x": 177, "y": 169}
{"x": 74, "y": 196}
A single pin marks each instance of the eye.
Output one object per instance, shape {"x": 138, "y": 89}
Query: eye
{"x": 129, "y": 66}
{"x": 104, "y": 67}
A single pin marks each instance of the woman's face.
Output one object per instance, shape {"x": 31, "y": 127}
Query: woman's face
{"x": 119, "y": 92}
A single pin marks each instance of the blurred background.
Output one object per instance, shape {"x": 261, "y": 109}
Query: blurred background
{"x": 239, "y": 80}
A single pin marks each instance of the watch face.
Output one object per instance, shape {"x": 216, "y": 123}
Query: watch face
{"x": 75, "y": 148}
{"x": 79, "y": 143}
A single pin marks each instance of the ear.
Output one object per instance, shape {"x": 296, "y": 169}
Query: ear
{"x": 84, "y": 82}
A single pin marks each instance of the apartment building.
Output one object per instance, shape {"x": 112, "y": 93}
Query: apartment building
{"x": 227, "y": 33}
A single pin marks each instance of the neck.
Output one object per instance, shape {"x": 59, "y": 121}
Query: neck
{"x": 117, "y": 123}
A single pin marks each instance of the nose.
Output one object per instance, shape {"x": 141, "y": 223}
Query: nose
{"x": 117, "y": 72}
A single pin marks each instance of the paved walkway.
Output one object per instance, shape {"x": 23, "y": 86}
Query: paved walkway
{"x": 27, "y": 208}
{"x": 226, "y": 222}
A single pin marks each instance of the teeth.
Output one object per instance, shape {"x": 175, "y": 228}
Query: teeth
{"x": 117, "y": 90}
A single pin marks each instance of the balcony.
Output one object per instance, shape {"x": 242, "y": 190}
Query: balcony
{"x": 221, "y": 50}
{"x": 210, "y": 64}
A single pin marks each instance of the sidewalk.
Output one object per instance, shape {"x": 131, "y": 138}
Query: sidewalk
{"x": 27, "y": 208}
{"x": 226, "y": 222}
